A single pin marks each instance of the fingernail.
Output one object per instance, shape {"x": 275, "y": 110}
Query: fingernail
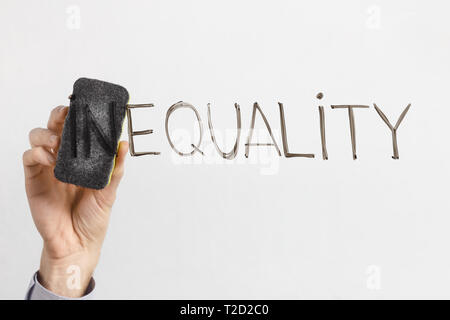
{"x": 51, "y": 159}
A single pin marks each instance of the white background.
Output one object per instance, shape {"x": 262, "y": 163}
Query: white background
{"x": 370, "y": 228}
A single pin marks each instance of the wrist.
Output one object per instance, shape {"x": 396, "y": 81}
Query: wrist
{"x": 67, "y": 276}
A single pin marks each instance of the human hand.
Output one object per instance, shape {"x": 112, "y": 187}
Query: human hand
{"x": 71, "y": 220}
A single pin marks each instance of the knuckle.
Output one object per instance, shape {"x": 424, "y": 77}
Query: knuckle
{"x": 118, "y": 173}
{"x": 25, "y": 154}
{"x": 37, "y": 135}
{"x": 33, "y": 133}
{"x": 35, "y": 153}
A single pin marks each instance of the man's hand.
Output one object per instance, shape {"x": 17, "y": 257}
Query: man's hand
{"x": 71, "y": 220}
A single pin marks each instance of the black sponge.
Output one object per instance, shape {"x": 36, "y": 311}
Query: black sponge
{"x": 91, "y": 133}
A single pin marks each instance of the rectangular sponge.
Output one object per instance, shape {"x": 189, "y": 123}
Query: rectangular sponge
{"x": 91, "y": 133}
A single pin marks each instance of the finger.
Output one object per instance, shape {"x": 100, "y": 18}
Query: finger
{"x": 57, "y": 117}
{"x": 38, "y": 156}
{"x": 119, "y": 167}
{"x": 40, "y": 137}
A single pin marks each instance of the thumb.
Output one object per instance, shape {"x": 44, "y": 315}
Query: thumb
{"x": 119, "y": 166}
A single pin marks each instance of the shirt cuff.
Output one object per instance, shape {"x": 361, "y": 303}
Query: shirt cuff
{"x": 37, "y": 292}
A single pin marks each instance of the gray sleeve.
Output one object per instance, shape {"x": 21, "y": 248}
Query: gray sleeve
{"x": 37, "y": 292}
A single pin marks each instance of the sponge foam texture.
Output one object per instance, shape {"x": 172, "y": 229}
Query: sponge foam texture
{"x": 91, "y": 133}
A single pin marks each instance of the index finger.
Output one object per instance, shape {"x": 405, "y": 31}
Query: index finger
{"x": 57, "y": 117}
